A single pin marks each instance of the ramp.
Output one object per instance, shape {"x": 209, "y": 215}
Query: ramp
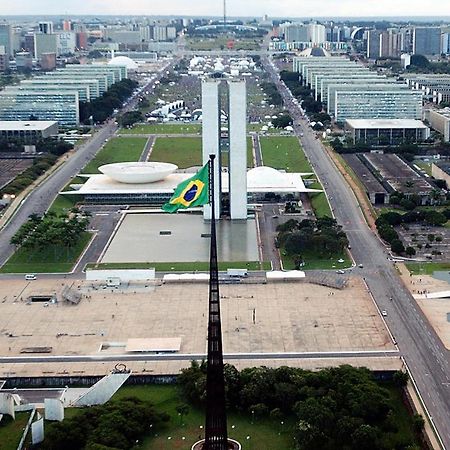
{"x": 104, "y": 389}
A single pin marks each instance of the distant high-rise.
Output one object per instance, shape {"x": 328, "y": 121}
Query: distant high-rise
{"x": 46, "y": 27}
{"x": 6, "y": 37}
{"x": 427, "y": 41}
{"x": 373, "y": 44}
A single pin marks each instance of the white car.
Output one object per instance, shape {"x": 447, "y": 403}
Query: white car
{"x": 384, "y": 313}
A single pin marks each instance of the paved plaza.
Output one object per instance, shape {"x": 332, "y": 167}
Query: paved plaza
{"x": 265, "y": 318}
{"x": 180, "y": 238}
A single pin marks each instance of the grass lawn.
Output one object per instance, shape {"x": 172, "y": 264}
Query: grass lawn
{"x": 182, "y": 151}
{"x": 117, "y": 150}
{"x": 183, "y": 266}
{"x": 264, "y": 433}
{"x": 427, "y": 268}
{"x": 48, "y": 260}
{"x": 284, "y": 153}
{"x": 163, "y": 129}
{"x": 63, "y": 203}
{"x": 319, "y": 202}
{"x": 220, "y": 43}
{"x": 11, "y": 430}
{"x": 314, "y": 263}
{"x": 426, "y": 166}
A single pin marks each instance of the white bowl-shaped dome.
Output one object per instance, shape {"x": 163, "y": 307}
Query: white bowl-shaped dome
{"x": 138, "y": 172}
{"x": 123, "y": 61}
{"x": 263, "y": 176}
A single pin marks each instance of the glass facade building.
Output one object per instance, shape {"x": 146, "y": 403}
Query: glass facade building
{"x": 384, "y": 104}
{"x": 99, "y": 80}
{"x": 83, "y": 90}
{"x": 62, "y": 106}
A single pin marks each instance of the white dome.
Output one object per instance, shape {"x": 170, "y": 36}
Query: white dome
{"x": 138, "y": 172}
{"x": 123, "y": 61}
{"x": 262, "y": 177}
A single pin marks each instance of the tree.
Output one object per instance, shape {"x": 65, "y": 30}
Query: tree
{"x": 397, "y": 246}
{"x": 282, "y": 121}
{"x": 410, "y": 251}
{"x": 182, "y": 410}
{"x": 400, "y": 378}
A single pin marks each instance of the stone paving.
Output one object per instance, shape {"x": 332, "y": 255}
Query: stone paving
{"x": 276, "y": 317}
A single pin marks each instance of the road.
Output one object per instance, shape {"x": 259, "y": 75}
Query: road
{"x": 40, "y": 199}
{"x": 427, "y": 358}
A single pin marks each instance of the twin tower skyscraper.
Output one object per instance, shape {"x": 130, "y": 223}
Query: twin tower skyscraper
{"x": 214, "y": 141}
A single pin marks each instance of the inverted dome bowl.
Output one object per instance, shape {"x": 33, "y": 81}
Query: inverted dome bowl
{"x": 138, "y": 172}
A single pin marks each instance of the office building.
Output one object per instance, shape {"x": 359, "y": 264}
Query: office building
{"x": 62, "y": 107}
{"x": 93, "y": 78}
{"x": 386, "y": 131}
{"x": 4, "y": 59}
{"x": 24, "y": 61}
{"x": 46, "y": 27}
{"x": 295, "y": 32}
{"x": 358, "y": 87}
{"x": 47, "y": 61}
{"x": 383, "y": 104}
{"x": 211, "y": 143}
{"x": 44, "y": 43}
{"x": 91, "y": 85}
{"x": 28, "y": 43}
{"x": 439, "y": 120}
{"x": 28, "y": 130}
{"x": 435, "y": 87}
{"x": 81, "y": 40}
{"x": 65, "y": 43}
{"x": 427, "y": 41}
{"x": 67, "y": 25}
{"x": 159, "y": 33}
{"x": 57, "y": 85}
{"x": 6, "y": 38}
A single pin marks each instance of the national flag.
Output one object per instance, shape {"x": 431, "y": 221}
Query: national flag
{"x": 190, "y": 193}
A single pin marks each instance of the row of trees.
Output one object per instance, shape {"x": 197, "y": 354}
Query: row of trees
{"x": 101, "y": 108}
{"x": 39, "y": 167}
{"x": 323, "y": 237}
{"x": 116, "y": 425}
{"x": 341, "y": 407}
{"x": 271, "y": 91}
{"x": 39, "y": 232}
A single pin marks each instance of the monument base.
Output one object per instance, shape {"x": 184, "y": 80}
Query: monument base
{"x": 232, "y": 445}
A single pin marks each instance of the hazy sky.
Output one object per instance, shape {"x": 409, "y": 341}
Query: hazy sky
{"x": 293, "y": 8}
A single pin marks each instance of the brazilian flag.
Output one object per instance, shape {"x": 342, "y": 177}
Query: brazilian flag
{"x": 189, "y": 193}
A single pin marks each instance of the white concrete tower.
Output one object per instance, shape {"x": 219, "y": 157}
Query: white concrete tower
{"x": 237, "y": 124}
{"x": 211, "y": 137}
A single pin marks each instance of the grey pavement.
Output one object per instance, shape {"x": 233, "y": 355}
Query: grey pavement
{"x": 426, "y": 356}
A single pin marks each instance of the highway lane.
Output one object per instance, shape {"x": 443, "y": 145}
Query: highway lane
{"x": 424, "y": 353}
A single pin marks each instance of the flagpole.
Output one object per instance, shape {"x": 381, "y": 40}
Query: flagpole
{"x": 216, "y": 437}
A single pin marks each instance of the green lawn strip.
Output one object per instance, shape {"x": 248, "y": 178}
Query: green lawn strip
{"x": 319, "y": 202}
{"x": 201, "y": 266}
{"x": 427, "y": 268}
{"x": 182, "y": 151}
{"x": 284, "y": 153}
{"x": 162, "y": 129}
{"x": 249, "y": 153}
{"x": 264, "y": 433}
{"x": 11, "y": 430}
{"x": 117, "y": 150}
{"x": 63, "y": 203}
{"x": 52, "y": 259}
{"x": 424, "y": 166}
{"x": 315, "y": 263}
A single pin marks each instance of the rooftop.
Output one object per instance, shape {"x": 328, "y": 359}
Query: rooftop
{"x": 385, "y": 123}
{"x": 37, "y": 125}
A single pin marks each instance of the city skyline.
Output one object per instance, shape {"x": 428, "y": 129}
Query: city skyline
{"x": 341, "y": 8}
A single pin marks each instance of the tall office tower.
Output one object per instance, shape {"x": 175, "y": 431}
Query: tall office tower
{"x": 237, "y": 129}
{"x": 373, "y": 44}
{"x": 316, "y": 33}
{"x": 211, "y": 138}
{"x": 46, "y": 27}
{"x": 4, "y": 59}
{"x": 427, "y": 41}
{"x": 6, "y": 38}
{"x": 67, "y": 25}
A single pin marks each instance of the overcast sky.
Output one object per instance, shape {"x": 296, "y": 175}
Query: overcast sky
{"x": 286, "y": 8}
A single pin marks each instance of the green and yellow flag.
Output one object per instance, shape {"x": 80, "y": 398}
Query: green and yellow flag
{"x": 190, "y": 193}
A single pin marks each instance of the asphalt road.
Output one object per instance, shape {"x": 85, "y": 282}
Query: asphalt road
{"x": 427, "y": 358}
